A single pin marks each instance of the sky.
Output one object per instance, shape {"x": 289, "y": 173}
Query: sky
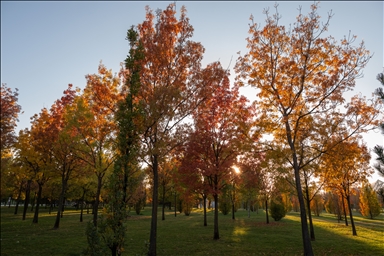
{"x": 46, "y": 45}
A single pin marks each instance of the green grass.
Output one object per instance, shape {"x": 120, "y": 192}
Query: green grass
{"x": 186, "y": 235}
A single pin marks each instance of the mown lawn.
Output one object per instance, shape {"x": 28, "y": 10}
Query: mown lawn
{"x": 186, "y": 235}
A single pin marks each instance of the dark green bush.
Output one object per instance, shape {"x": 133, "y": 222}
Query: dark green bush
{"x": 277, "y": 210}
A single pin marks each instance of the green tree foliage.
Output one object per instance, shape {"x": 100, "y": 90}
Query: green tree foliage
{"x": 277, "y": 209}
{"x": 379, "y": 150}
{"x": 369, "y": 203}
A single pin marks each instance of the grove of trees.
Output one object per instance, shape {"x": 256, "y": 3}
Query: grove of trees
{"x": 166, "y": 129}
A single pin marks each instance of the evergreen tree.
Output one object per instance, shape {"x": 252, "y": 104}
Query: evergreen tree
{"x": 112, "y": 227}
{"x": 379, "y": 150}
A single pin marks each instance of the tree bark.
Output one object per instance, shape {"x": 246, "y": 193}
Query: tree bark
{"x": 163, "y": 201}
{"x": 304, "y": 225}
{"x": 97, "y": 199}
{"x": 205, "y": 209}
{"x": 18, "y": 197}
{"x": 27, "y": 198}
{"x": 61, "y": 205}
{"x": 38, "y": 202}
{"x": 266, "y": 210}
{"x": 153, "y": 234}
{"x": 216, "y": 235}
{"x": 311, "y": 229}
{"x": 345, "y": 211}
{"x": 351, "y": 217}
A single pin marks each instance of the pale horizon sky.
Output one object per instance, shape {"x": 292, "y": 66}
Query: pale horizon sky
{"x": 47, "y": 45}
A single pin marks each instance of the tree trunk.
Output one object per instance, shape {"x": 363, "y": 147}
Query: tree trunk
{"x": 233, "y": 203}
{"x": 304, "y": 225}
{"x": 27, "y": 198}
{"x": 163, "y": 199}
{"x": 351, "y": 217}
{"x": 61, "y": 205}
{"x": 153, "y": 234}
{"x": 249, "y": 208}
{"x": 345, "y": 211}
{"x": 97, "y": 199}
{"x": 33, "y": 202}
{"x": 18, "y": 197}
{"x": 216, "y": 235}
{"x": 82, "y": 205}
{"x": 266, "y": 210}
{"x": 205, "y": 209}
{"x": 312, "y": 231}
{"x": 36, "y": 216}
{"x": 175, "y": 205}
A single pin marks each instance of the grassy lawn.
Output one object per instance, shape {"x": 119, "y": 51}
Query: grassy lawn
{"x": 186, "y": 235}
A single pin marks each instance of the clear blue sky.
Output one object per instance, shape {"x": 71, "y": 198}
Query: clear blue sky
{"x": 47, "y": 45}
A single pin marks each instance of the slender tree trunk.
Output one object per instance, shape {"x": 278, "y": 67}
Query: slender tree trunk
{"x": 33, "y": 202}
{"x": 163, "y": 199}
{"x": 27, "y": 198}
{"x": 175, "y": 205}
{"x": 82, "y": 205}
{"x": 153, "y": 234}
{"x": 61, "y": 205}
{"x": 311, "y": 229}
{"x": 266, "y": 210}
{"x": 345, "y": 211}
{"x": 351, "y": 217}
{"x": 304, "y": 225}
{"x": 205, "y": 209}
{"x": 18, "y": 197}
{"x": 233, "y": 203}
{"x": 36, "y": 216}
{"x": 97, "y": 199}
{"x": 216, "y": 235}
{"x": 249, "y": 208}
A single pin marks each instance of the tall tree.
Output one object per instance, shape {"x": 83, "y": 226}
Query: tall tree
{"x": 63, "y": 142}
{"x": 379, "y": 150}
{"x": 126, "y": 172}
{"x": 172, "y": 86}
{"x": 216, "y": 141}
{"x": 301, "y": 77}
{"x": 93, "y": 119}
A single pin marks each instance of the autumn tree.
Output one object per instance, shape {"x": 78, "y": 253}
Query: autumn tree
{"x": 369, "y": 204}
{"x": 216, "y": 141}
{"x": 93, "y": 119}
{"x": 63, "y": 140}
{"x": 172, "y": 85}
{"x": 301, "y": 77}
{"x": 347, "y": 165}
{"x": 10, "y": 111}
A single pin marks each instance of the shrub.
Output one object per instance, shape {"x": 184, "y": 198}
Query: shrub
{"x": 277, "y": 210}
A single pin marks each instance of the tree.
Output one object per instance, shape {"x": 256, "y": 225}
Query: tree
{"x": 216, "y": 141}
{"x": 379, "y": 150}
{"x": 347, "y": 165}
{"x": 369, "y": 204}
{"x": 301, "y": 78}
{"x": 10, "y": 111}
{"x": 64, "y": 140}
{"x": 172, "y": 86}
{"x": 93, "y": 119}
{"x": 126, "y": 173}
